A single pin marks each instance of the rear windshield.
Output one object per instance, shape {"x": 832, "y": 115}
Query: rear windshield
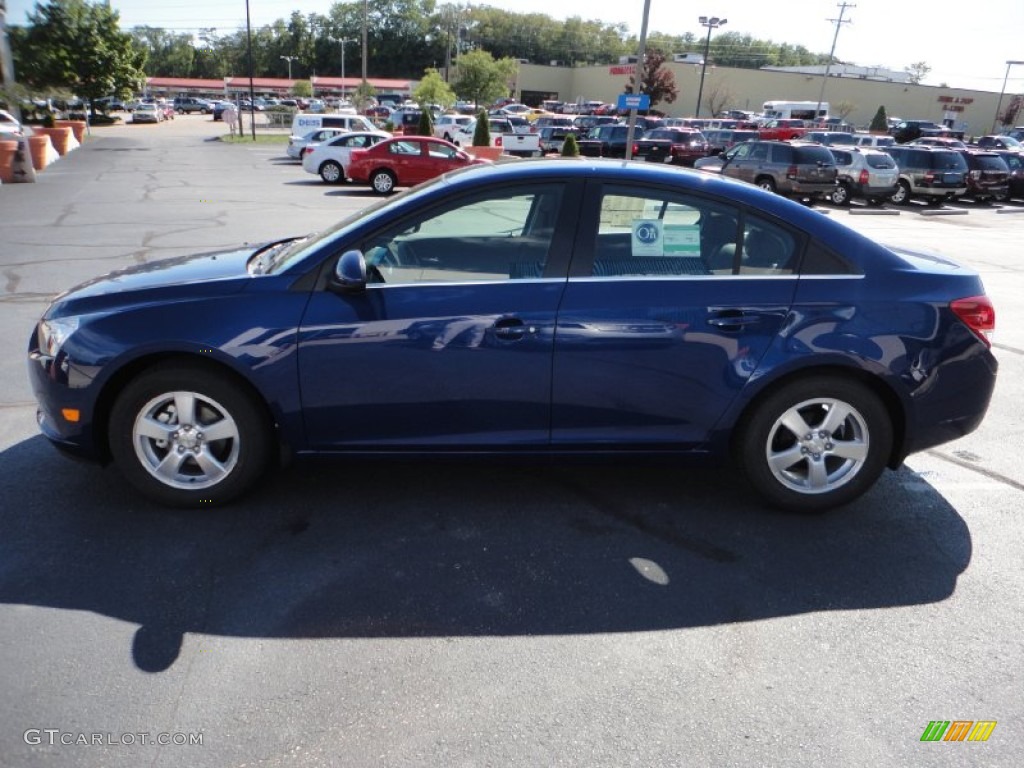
{"x": 949, "y": 161}
{"x": 991, "y": 163}
{"x": 880, "y": 160}
{"x": 813, "y": 155}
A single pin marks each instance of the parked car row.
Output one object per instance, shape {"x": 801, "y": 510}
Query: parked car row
{"x": 897, "y": 173}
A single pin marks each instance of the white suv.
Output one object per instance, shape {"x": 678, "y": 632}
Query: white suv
{"x": 446, "y": 126}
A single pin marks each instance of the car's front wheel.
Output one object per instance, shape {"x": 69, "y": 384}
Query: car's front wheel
{"x": 815, "y": 443}
{"x": 383, "y": 181}
{"x": 187, "y": 436}
{"x": 331, "y": 172}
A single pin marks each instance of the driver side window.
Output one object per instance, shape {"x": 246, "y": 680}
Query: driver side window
{"x": 492, "y": 238}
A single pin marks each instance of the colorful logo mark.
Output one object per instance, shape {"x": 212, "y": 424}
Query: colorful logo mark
{"x": 958, "y": 730}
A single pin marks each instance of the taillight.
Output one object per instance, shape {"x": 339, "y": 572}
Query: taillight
{"x": 636, "y": 149}
{"x": 864, "y": 178}
{"x": 791, "y": 172}
{"x": 978, "y": 314}
{"x": 307, "y": 150}
{"x": 497, "y": 141}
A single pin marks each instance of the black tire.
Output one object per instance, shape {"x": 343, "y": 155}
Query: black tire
{"x": 331, "y": 172}
{"x": 157, "y": 436}
{"x": 846, "y": 445}
{"x": 767, "y": 183}
{"x": 840, "y": 194}
{"x": 901, "y": 195}
{"x": 383, "y": 181}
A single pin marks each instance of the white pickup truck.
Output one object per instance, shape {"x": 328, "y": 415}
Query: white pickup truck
{"x": 513, "y": 139}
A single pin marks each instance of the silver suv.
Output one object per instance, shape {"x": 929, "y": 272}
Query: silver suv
{"x": 790, "y": 168}
{"x": 934, "y": 173}
{"x": 869, "y": 174}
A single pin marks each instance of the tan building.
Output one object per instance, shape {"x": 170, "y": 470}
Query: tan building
{"x": 748, "y": 89}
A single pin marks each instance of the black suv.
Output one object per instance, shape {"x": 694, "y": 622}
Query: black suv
{"x": 934, "y": 173}
{"x": 908, "y": 130}
{"x": 988, "y": 175}
{"x": 791, "y": 168}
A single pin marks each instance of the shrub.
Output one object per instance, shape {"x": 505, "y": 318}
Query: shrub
{"x": 482, "y": 132}
{"x": 569, "y": 147}
{"x": 425, "y": 127}
{"x": 880, "y": 122}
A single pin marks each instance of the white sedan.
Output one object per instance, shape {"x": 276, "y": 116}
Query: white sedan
{"x": 147, "y": 113}
{"x": 298, "y": 143}
{"x": 330, "y": 159}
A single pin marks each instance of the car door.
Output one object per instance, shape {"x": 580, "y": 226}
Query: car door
{"x": 671, "y": 303}
{"x": 451, "y": 342}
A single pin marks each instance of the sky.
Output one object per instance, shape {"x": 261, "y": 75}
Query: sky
{"x": 964, "y": 49}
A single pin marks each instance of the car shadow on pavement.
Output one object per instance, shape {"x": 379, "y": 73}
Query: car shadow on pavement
{"x": 409, "y": 548}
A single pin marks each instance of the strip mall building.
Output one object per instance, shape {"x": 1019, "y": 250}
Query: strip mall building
{"x": 971, "y": 111}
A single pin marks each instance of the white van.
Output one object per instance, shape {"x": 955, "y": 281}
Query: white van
{"x": 305, "y": 122}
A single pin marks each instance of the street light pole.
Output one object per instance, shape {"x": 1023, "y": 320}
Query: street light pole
{"x": 711, "y": 23}
{"x": 999, "y": 104}
{"x": 289, "y": 59}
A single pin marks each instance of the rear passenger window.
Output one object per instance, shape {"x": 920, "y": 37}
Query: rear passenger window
{"x": 647, "y": 236}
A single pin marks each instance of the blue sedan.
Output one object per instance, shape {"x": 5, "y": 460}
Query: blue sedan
{"x": 558, "y": 307}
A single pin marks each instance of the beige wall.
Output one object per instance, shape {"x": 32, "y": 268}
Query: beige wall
{"x": 750, "y": 88}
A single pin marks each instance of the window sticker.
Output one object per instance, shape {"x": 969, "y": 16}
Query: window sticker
{"x": 647, "y": 238}
{"x": 681, "y": 240}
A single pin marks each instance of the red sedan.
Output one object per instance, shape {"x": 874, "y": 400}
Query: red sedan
{"x": 405, "y": 161}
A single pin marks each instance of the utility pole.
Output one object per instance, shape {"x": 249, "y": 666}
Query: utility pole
{"x": 828, "y": 65}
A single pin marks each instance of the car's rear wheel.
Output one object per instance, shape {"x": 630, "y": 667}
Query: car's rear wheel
{"x": 900, "y": 195}
{"x": 331, "y": 172}
{"x": 840, "y": 194}
{"x": 383, "y": 181}
{"x": 767, "y": 183}
{"x": 815, "y": 443}
{"x": 187, "y": 436}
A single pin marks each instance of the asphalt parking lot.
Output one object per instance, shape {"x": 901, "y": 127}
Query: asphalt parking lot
{"x": 406, "y": 614}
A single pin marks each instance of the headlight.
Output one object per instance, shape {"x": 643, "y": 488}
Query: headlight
{"x": 52, "y": 334}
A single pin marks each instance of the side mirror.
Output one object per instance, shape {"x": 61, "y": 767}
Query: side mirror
{"x": 350, "y": 272}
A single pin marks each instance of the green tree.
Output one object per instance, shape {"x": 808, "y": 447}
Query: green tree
{"x": 433, "y": 90}
{"x": 570, "y": 147}
{"x": 482, "y": 131}
{"x": 880, "y": 122}
{"x": 302, "y": 88}
{"x": 483, "y": 80}
{"x": 657, "y": 81}
{"x": 167, "y": 54}
{"x": 79, "y": 46}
